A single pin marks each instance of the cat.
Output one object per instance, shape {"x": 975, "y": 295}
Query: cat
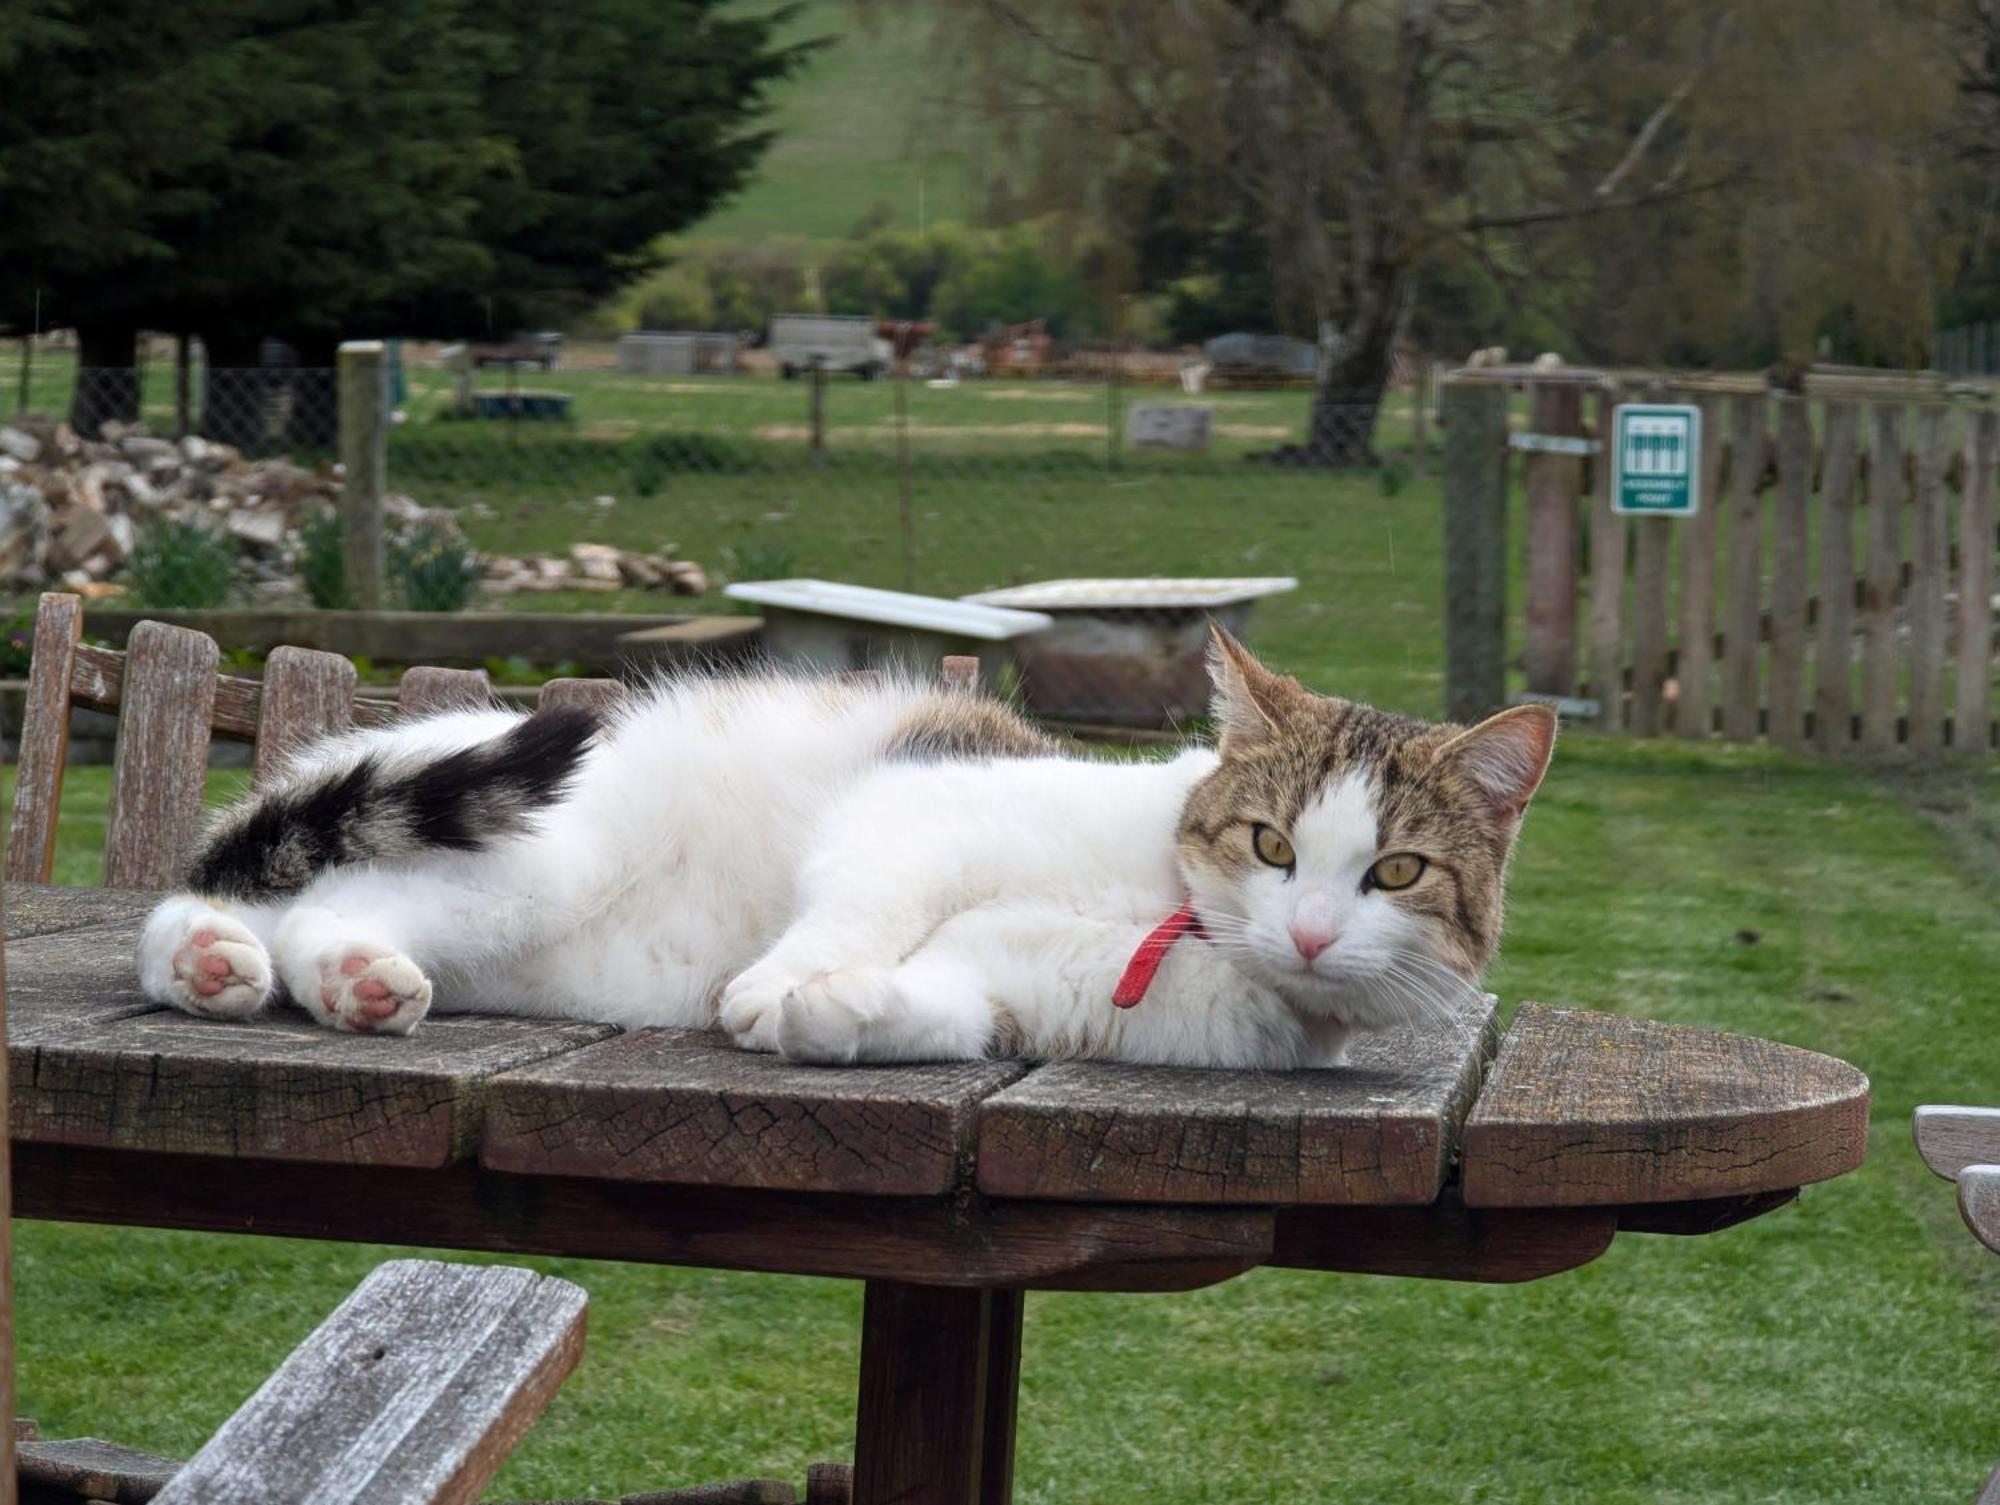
{"x": 841, "y": 871}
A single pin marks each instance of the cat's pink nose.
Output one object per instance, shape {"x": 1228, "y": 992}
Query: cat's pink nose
{"x": 1311, "y": 942}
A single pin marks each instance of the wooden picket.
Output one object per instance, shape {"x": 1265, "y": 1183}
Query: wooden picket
{"x": 1832, "y": 594}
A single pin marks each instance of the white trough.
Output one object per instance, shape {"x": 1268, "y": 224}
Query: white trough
{"x": 829, "y": 627}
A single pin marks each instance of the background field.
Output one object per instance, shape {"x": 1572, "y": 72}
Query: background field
{"x": 1840, "y": 1350}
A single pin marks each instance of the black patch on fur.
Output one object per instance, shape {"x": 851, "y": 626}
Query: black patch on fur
{"x": 460, "y": 802}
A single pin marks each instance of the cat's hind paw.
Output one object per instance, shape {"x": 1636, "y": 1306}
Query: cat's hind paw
{"x": 204, "y": 962}
{"x": 366, "y": 991}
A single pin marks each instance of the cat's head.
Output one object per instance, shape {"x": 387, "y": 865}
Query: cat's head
{"x": 1353, "y": 859}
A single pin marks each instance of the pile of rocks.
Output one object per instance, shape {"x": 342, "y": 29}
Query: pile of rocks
{"x": 71, "y": 510}
{"x": 597, "y": 567}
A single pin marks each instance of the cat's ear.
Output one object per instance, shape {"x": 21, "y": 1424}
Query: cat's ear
{"x": 1506, "y": 755}
{"x": 1249, "y": 699}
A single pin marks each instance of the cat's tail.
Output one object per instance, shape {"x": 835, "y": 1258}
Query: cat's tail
{"x": 383, "y": 803}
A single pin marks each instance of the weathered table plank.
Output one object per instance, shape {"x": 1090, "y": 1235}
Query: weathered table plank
{"x": 88, "y": 1468}
{"x": 66, "y": 979}
{"x": 1979, "y": 1203}
{"x": 1378, "y": 1130}
{"x": 1445, "y": 1241}
{"x": 958, "y": 1241}
{"x": 687, "y": 1106}
{"x": 277, "y": 1088}
{"x": 41, "y": 909}
{"x": 1583, "y": 1108}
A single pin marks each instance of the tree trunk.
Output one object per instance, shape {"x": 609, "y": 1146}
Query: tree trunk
{"x": 107, "y": 378}
{"x": 313, "y": 418}
{"x": 237, "y": 396}
{"x": 1354, "y": 365}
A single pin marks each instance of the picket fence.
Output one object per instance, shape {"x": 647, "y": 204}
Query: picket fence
{"x": 1833, "y": 592}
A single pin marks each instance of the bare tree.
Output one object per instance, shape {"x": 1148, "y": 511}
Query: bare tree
{"x": 1367, "y": 137}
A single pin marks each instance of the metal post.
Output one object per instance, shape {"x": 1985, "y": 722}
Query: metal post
{"x": 1474, "y": 417}
{"x": 905, "y": 500}
{"x": 1112, "y": 436}
{"x": 181, "y": 408}
{"x": 364, "y": 453}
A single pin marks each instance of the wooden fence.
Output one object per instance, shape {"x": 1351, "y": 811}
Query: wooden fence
{"x": 1834, "y": 591}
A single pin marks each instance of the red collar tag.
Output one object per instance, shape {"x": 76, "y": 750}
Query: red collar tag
{"x": 1145, "y": 963}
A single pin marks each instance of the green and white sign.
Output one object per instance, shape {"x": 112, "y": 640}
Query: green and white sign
{"x": 1656, "y": 459}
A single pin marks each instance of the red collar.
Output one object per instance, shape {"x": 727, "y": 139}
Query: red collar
{"x": 1145, "y": 963}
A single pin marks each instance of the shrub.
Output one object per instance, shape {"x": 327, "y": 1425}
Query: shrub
{"x": 17, "y": 644}
{"x": 182, "y": 564}
{"x": 435, "y": 567}
{"x": 1391, "y": 477}
{"x": 760, "y": 559}
{"x": 661, "y": 456}
{"x": 322, "y": 566}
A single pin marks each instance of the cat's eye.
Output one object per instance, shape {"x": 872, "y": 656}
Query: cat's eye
{"x": 1397, "y": 870}
{"x": 1272, "y": 847}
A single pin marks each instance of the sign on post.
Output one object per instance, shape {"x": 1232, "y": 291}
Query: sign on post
{"x": 1656, "y": 450}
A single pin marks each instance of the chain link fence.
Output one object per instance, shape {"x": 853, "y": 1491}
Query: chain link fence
{"x": 1124, "y": 512}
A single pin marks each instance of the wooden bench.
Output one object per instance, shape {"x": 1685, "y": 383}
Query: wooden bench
{"x": 1963, "y": 1146}
{"x": 413, "y": 1392}
{"x": 1456, "y": 1151}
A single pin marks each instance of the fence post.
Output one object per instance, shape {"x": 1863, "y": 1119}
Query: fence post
{"x": 817, "y": 402}
{"x": 1420, "y": 440}
{"x": 1474, "y": 417}
{"x": 1552, "y": 483}
{"x": 364, "y": 455}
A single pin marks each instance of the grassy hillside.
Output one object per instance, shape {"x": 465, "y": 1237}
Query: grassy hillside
{"x": 856, "y": 127}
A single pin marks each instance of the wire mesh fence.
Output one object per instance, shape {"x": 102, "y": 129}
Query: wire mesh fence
{"x": 1124, "y": 514}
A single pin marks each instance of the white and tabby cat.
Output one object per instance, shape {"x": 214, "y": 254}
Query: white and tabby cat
{"x": 886, "y": 871}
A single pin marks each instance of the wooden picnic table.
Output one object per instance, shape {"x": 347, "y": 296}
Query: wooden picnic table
{"x": 1457, "y": 1153}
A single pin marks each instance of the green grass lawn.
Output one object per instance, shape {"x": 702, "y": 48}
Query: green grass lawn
{"x": 1840, "y": 1349}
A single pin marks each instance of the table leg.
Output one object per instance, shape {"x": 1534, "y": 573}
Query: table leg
{"x": 935, "y": 1421}
{"x": 1003, "y": 1391}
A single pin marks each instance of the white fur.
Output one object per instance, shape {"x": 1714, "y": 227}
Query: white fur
{"x": 740, "y": 852}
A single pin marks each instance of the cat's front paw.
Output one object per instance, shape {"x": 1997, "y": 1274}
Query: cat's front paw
{"x": 366, "y": 992}
{"x": 204, "y": 962}
{"x": 753, "y": 1003}
{"x": 825, "y": 1019}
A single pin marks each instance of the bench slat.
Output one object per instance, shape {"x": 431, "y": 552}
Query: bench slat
{"x": 38, "y": 779}
{"x": 1979, "y": 1203}
{"x": 1583, "y": 1108}
{"x": 412, "y": 1393}
{"x": 97, "y": 678}
{"x": 306, "y": 696}
{"x": 1377, "y": 1130}
{"x": 594, "y": 694}
{"x": 687, "y": 1106}
{"x": 426, "y": 690}
{"x": 161, "y": 763}
{"x": 1951, "y": 1138}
